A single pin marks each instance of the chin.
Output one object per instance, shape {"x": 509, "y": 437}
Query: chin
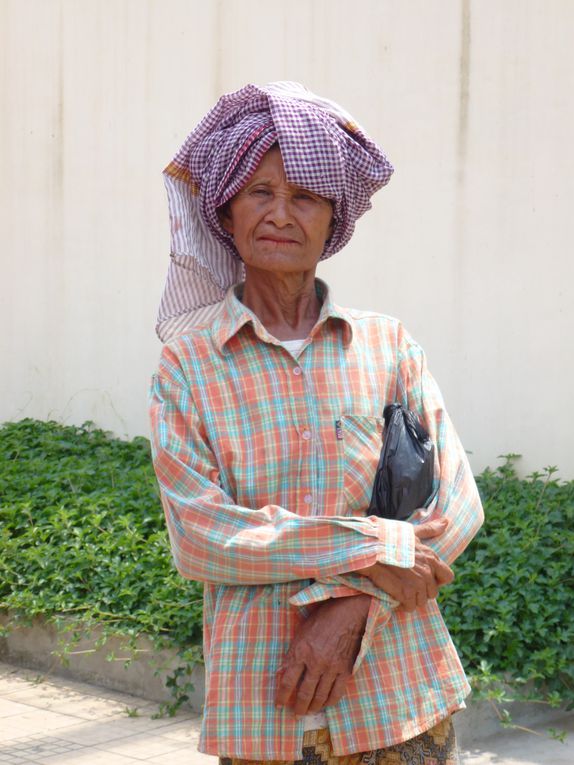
{"x": 283, "y": 262}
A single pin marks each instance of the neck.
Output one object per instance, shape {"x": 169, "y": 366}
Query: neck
{"x": 286, "y": 304}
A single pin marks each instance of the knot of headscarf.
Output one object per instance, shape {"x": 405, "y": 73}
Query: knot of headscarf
{"x": 323, "y": 150}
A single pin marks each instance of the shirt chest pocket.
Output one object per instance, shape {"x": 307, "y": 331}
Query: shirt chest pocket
{"x": 361, "y": 440}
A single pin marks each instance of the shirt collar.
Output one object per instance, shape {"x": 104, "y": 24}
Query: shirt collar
{"x": 234, "y": 315}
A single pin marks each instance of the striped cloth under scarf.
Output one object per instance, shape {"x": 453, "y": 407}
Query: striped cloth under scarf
{"x": 323, "y": 150}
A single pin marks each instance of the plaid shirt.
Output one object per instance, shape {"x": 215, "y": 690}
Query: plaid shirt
{"x": 266, "y": 465}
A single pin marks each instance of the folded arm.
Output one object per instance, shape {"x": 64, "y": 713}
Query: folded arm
{"x": 456, "y": 495}
{"x": 214, "y": 539}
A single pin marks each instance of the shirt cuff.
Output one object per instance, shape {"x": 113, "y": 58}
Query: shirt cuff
{"x": 379, "y": 615}
{"x": 397, "y": 539}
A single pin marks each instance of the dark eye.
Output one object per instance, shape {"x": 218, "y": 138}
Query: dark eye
{"x": 260, "y": 191}
{"x": 305, "y": 196}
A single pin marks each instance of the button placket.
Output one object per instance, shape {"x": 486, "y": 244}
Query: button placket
{"x": 305, "y": 431}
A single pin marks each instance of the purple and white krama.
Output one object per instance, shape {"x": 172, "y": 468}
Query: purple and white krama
{"x": 323, "y": 150}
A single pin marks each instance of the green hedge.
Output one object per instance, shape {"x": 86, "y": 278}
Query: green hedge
{"x": 510, "y": 609}
{"x": 82, "y": 535}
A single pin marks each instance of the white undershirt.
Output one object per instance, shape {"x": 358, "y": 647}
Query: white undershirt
{"x": 315, "y": 722}
{"x": 293, "y": 346}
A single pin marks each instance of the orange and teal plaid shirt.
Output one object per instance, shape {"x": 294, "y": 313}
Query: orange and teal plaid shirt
{"x": 266, "y": 464}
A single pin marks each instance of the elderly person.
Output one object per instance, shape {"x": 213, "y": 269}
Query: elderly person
{"x": 322, "y": 636}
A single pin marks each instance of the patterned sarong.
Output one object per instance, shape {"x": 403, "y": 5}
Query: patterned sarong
{"x": 436, "y": 746}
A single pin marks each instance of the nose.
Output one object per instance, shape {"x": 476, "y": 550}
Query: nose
{"x": 279, "y": 211}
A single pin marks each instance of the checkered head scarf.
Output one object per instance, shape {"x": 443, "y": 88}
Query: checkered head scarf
{"x": 323, "y": 150}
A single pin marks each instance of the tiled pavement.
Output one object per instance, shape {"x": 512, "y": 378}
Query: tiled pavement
{"x": 61, "y": 722}
{"x": 47, "y": 720}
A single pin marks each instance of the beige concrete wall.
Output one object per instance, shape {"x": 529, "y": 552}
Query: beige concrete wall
{"x": 471, "y": 244}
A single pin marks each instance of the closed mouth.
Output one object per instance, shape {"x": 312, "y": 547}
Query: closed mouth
{"x": 276, "y": 240}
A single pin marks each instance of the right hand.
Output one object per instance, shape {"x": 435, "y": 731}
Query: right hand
{"x": 320, "y": 660}
{"x": 413, "y": 587}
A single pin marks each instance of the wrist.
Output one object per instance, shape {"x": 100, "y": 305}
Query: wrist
{"x": 357, "y": 607}
{"x": 367, "y": 572}
{"x": 353, "y": 605}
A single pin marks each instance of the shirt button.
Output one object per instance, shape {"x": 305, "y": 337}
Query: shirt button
{"x": 306, "y": 434}
{"x": 307, "y": 499}
{"x": 297, "y": 371}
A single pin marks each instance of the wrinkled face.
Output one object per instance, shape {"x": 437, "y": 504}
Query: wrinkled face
{"x": 275, "y": 225}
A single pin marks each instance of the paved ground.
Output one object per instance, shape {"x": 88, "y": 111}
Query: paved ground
{"x": 523, "y": 748}
{"x": 50, "y": 720}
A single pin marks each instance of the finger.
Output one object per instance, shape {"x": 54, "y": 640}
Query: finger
{"x": 443, "y": 573}
{"x": 288, "y": 684}
{"x": 429, "y": 586}
{"x": 431, "y": 529}
{"x": 338, "y": 690}
{"x": 322, "y": 692}
{"x": 409, "y": 599}
{"x": 421, "y": 599}
{"x": 305, "y": 693}
{"x": 432, "y": 589}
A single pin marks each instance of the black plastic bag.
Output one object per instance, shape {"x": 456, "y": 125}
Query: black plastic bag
{"x": 404, "y": 478}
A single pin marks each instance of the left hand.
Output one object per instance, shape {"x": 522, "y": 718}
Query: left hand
{"x": 320, "y": 660}
{"x": 413, "y": 587}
